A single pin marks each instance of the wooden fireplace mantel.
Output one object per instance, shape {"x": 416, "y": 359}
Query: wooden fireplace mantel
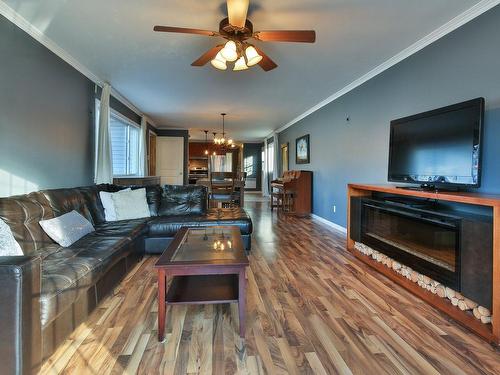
{"x": 488, "y": 332}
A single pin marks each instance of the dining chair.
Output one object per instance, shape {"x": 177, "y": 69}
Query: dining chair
{"x": 222, "y": 190}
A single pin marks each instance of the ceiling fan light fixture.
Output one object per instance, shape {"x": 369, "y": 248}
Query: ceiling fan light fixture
{"x": 229, "y": 52}
{"x": 237, "y": 12}
{"x": 219, "y": 62}
{"x": 253, "y": 56}
{"x": 240, "y": 64}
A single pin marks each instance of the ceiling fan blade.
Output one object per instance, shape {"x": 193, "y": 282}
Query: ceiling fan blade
{"x": 183, "y": 30}
{"x": 237, "y": 12}
{"x": 266, "y": 63}
{"x": 299, "y": 36}
{"x": 207, "y": 56}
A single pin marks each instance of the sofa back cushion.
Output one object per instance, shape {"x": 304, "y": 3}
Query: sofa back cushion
{"x": 91, "y": 196}
{"x": 22, "y": 214}
{"x": 66, "y": 200}
{"x": 183, "y": 200}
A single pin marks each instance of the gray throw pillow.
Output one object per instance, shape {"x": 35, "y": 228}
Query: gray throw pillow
{"x": 68, "y": 228}
{"x": 8, "y": 244}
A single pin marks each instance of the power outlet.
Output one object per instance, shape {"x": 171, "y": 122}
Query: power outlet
{"x": 334, "y": 208}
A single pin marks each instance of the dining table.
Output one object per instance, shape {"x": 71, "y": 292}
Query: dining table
{"x": 239, "y": 185}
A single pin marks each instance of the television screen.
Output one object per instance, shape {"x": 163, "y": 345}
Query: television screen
{"x": 439, "y": 147}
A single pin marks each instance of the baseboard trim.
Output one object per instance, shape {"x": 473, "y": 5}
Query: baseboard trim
{"x": 329, "y": 223}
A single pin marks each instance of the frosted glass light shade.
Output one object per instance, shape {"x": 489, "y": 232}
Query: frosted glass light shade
{"x": 253, "y": 56}
{"x": 240, "y": 64}
{"x": 229, "y": 51}
{"x": 237, "y": 12}
{"x": 219, "y": 62}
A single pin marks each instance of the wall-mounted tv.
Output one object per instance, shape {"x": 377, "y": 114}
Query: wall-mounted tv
{"x": 438, "y": 148}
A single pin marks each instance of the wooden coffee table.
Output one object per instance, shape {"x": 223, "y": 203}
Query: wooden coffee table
{"x": 207, "y": 265}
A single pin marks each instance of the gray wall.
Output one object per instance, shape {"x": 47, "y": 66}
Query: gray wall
{"x": 46, "y": 136}
{"x": 461, "y": 66}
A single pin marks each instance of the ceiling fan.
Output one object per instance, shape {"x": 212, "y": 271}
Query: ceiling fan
{"x": 237, "y": 29}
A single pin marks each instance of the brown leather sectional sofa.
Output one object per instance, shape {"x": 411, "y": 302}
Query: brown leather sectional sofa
{"x": 48, "y": 292}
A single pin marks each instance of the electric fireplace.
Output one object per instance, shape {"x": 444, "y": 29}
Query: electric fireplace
{"x": 453, "y": 248}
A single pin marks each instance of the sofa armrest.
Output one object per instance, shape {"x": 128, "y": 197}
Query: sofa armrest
{"x": 20, "y": 329}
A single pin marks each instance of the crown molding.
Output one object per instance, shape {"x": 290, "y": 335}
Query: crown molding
{"x": 467, "y": 16}
{"x": 36, "y": 34}
{"x": 52, "y": 46}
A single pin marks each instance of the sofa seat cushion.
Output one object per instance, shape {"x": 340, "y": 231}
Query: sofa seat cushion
{"x": 67, "y": 272}
{"x": 125, "y": 228}
{"x": 167, "y": 226}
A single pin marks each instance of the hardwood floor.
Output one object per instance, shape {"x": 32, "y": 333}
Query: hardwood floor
{"x": 311, "y": 308}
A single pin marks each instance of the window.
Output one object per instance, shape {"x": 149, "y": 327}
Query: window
{"x": 221, "y": 163}
{"x": 125, "y": 146}
{"x": 270, "y": 158}
{"x": 124, "y": 143}
{"x": 248, "y": 166}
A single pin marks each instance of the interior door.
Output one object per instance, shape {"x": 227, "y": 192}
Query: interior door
{"x": 170, "y": 160}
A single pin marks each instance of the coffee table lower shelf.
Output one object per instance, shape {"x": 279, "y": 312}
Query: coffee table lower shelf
{"x": 203, "y": 289}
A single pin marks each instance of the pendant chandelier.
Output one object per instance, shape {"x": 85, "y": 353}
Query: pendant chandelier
{"x": 222, "y": 141}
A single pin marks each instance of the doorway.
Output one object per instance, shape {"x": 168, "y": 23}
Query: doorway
{"x": 170, "y": 160}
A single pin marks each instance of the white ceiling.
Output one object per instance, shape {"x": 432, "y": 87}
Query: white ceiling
{"x": 115, "y": 41}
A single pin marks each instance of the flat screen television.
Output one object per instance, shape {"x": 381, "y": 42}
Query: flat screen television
{"x": 439, "y": 148}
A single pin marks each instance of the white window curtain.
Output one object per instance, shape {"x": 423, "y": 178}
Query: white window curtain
{"x": 104, "y": 163}
{"x": 265, "y": 180}
{"x": 143, "y": 150}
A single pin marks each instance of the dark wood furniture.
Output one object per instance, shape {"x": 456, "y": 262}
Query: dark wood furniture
{"x": 239, "y": 187}
{"x": 222, "y": 189}
{"x": 295, "y": 190}
{"x": 490, "y": 332}
{"x": 206, "y": 266}
{"x": 197, "y": 152}
{"x": 277, "y": 193}
{"x": 143, "y": 181}
{"x": 238, "y": 184}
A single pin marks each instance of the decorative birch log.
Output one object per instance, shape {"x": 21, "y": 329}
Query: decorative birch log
{"x": 457, "y": 299}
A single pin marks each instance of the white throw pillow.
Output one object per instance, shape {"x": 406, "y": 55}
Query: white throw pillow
{"x": 109, "y": 206}
{"x": 131, "y": 205}
{"x": 8, "y": 244}
{"x": 68, "y": 228}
